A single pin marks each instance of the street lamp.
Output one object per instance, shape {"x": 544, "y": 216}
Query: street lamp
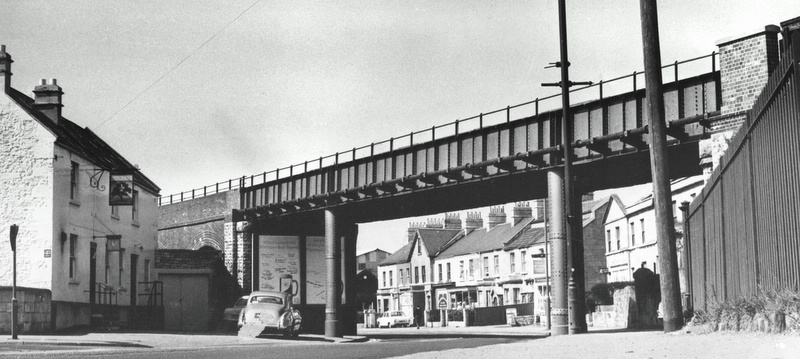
{"x": 543, "y": 255}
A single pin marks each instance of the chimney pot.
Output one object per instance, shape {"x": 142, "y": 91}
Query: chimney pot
{"x": 44, "y": 81}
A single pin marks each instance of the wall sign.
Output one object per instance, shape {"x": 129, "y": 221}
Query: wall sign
{"x": 121, "y": 189}
{"x": 48, "y": 253}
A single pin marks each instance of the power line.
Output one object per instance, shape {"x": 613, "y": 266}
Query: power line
{"x": 177, "y": 65}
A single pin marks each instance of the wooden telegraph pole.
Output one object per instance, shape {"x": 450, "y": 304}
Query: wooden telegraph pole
{"x": 659, "y": 166}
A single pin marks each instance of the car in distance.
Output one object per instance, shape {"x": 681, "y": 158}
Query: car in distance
{"x": 394, "y": 319}
{"x": 230, "y": 316}
{"x": 269, "y": 312}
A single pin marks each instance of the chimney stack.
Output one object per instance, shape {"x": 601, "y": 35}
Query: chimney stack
{"x": 474, "y": 221}
{"x": 434, "y": 223}
{"x": 5, "y": 68}
{"x": 412, "y": 230}
{"x": 522, "y": 211}
{"x": 47, "y": 99}
{"x": 497, "y": 216}
{"x": 452, "y": 221}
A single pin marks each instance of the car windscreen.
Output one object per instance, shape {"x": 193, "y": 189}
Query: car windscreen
{"x": 241, "y": 302}
{"x": 266, "y": 299}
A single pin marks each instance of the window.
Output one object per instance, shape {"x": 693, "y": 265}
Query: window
{"x": 523, "y": 261}
{"x": 496, "y": 265}
{"x": 471, "y": 269}
{"x": 391, "y": 278}
{"x": 424, "y": 277}
{"x": 513, "y": 265}
{"x": 461, "y": 269}
{"x": 641, "y": 226}
{"x": 384, "y": 279}
{"x": 633, "y": 235}
{"x": 616, "y": 235}
{"x": 135, "y": 206}
{"x": 416, "y": 274}
{"x": 362, "y": 266}
{"x": 73, "y": 180}
{"x": 408, "y": 275}
{"x": 448, "y": 272}
{"x": 146, "y": 270}
{"x": 485, "y": 266}
{"x": 402, "y": 278}
{"x": 440, "y": 273}
{"x": 516, "y": 296}
{"x": 115, "y": 212}
{"x": 608, "y": 238}
{"x": 419, "y": 248}
{"x": 73, "y": 262}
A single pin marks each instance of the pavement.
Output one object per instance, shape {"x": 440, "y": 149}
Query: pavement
{"x": 165, "y": 340}
{"x": 598, "y": 343}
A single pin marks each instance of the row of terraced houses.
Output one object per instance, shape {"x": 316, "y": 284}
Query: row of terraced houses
{"x": 507, "y": 262}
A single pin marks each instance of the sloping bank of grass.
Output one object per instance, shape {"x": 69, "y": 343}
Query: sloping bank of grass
{"x": 769, "y": 311}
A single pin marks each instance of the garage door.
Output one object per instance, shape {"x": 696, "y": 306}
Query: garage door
{"x": 185, "y": 302}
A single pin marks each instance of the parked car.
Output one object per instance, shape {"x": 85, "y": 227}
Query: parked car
{"x": 269, "y": 312}
{"x": 230, "y": 317}
{"x": 394, "y": 319}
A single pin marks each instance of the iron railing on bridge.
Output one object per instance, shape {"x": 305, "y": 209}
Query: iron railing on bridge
{"x": 744, "y": 225}
{"x": 605, "y": 89}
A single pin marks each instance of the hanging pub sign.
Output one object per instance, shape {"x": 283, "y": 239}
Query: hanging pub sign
{"x": 113, "y": 242}
{"x": 121, "y": 193}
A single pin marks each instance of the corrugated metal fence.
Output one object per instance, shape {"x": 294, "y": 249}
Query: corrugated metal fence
{"x": 744, "y": 228}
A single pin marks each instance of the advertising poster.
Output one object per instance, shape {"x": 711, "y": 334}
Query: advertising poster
{"x": 278, "y": 255}
{"x": 315, "y": 270}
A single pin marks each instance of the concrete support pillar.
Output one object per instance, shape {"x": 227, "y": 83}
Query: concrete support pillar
{"x": 333, "y": 263}
{"x": 350, "y": 234}
{"x": 556, "y": 232}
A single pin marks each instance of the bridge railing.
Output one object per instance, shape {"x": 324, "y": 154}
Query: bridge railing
{"x": 631, "y": 83}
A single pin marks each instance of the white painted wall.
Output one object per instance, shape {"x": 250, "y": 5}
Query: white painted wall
{"x": 26, "y": 187}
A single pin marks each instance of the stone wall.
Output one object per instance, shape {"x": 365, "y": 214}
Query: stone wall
{"x": 26, "y": 192}
{"x": 33, "y": 310}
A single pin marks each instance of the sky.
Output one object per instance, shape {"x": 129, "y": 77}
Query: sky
{"x": 197, "y": 91}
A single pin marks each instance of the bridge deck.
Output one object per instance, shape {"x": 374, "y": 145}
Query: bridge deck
{"x": 494, "y": 164}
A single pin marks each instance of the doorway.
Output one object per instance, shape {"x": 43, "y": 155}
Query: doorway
{"x": 134, "y": 284}
{"x": 92, "y": 272}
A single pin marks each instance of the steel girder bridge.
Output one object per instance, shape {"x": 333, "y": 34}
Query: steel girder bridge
{"x": 493, "y": 158}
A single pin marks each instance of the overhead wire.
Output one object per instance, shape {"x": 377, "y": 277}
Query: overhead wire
{"x": 177, "y": 65}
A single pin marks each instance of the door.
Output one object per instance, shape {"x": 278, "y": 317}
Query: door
{"x": 185, "y": 302}
{"x": 92, "y": 272}
{"x": 134, "y": 283}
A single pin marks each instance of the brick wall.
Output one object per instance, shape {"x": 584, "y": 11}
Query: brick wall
{"x": 745, "y": 65}
{"x": 196, "y": 223}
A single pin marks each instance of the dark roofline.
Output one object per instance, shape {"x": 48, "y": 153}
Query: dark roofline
{"x": 67, "y": 135}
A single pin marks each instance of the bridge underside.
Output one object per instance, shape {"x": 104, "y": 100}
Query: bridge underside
{"x": 613, "y": 172}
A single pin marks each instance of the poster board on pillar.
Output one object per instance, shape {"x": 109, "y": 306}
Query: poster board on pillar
{"x": 122, "y": 185}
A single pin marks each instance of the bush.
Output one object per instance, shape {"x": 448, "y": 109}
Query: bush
{"x": 603, "y": 293}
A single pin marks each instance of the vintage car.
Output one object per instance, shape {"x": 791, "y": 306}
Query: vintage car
{"x": 269, "y": 312}
{"x": 230, "y": 317}
{"x": 394, "y": 319}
